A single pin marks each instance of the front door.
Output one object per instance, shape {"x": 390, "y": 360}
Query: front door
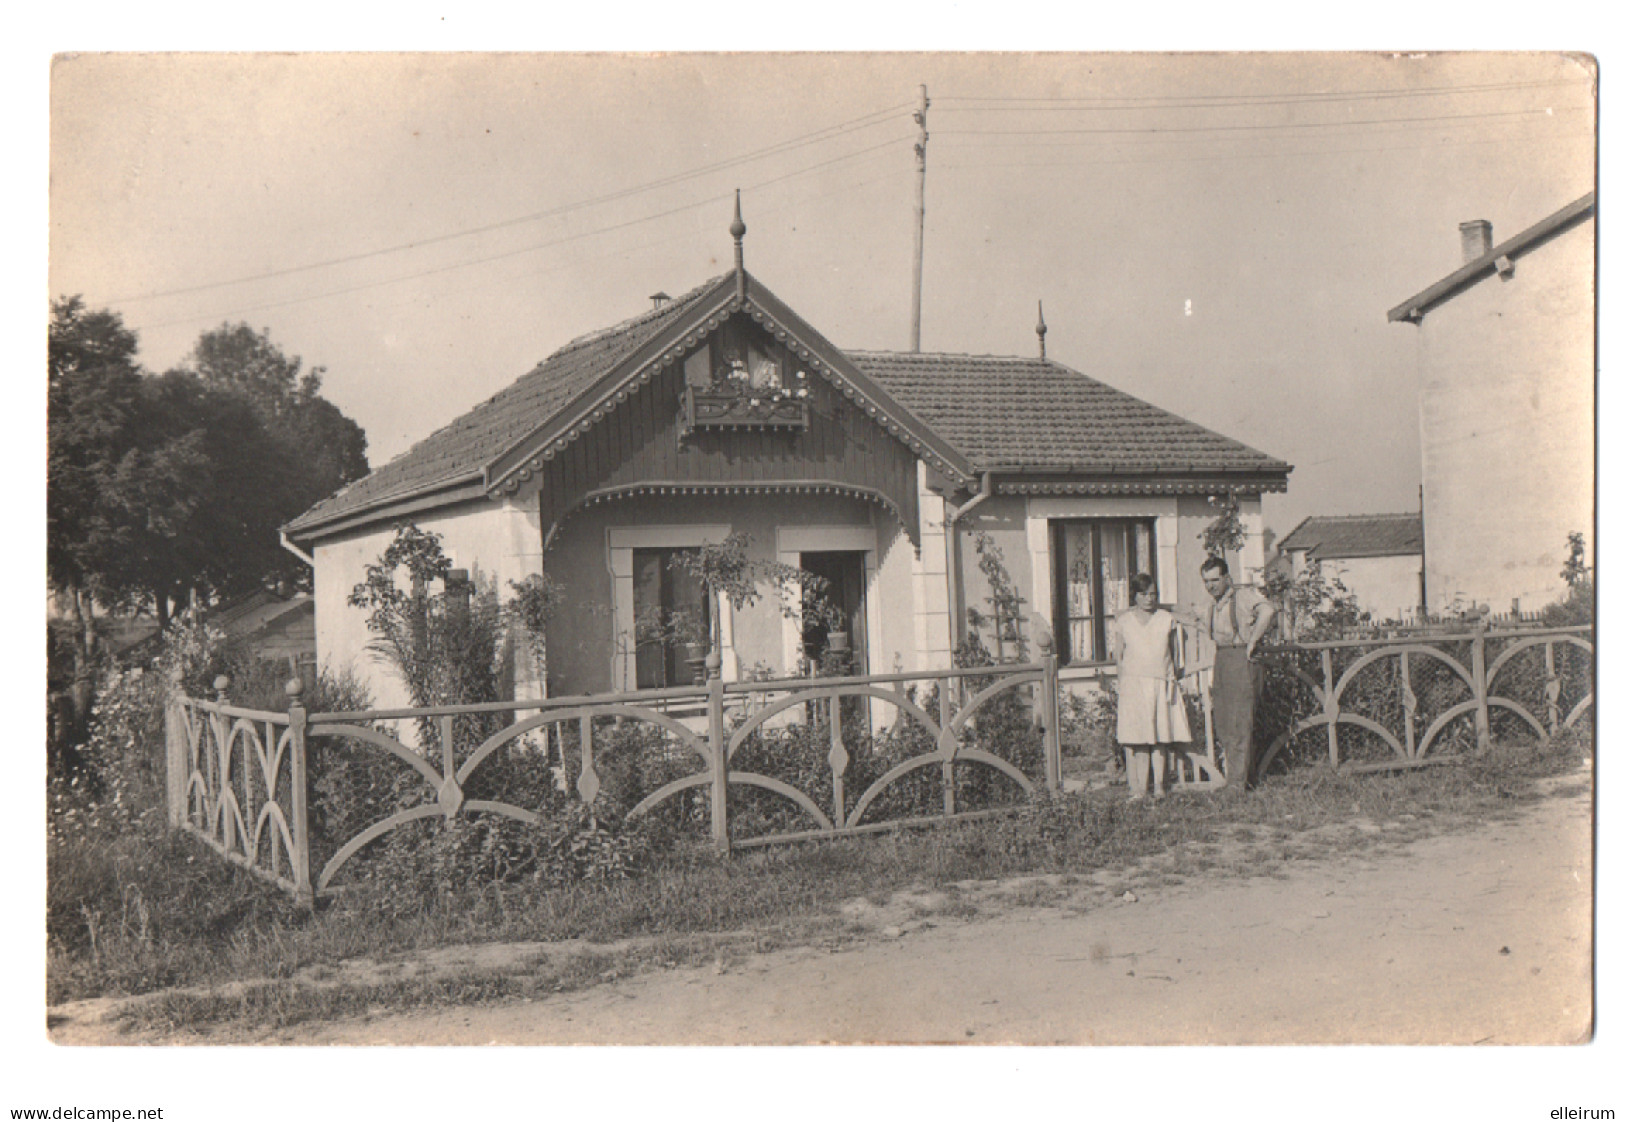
{"x": 843, "y": 569}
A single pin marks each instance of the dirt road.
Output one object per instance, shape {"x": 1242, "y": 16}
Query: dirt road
{"x": 1482, "y": 936}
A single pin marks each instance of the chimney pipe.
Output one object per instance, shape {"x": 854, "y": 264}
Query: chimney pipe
{"x": 1476, "y": 239}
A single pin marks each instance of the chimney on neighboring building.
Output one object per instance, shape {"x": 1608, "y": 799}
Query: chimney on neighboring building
{"x": 1476, "y": 239}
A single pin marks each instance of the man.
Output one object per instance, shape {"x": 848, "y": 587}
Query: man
{"x": 1238, "y": 620}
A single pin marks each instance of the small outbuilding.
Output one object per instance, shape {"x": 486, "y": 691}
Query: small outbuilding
{"x": 1378, "y": 557}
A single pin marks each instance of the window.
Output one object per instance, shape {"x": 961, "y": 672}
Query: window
{"x": 1092, "y": 562}
{"x": 672, "y": 620}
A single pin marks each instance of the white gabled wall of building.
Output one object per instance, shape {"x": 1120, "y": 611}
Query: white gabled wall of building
{"x": 1508, "y": 424}
{"x": 497, "y": 542}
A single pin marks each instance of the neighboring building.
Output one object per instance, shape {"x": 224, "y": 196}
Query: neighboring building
{"x": 1378, "y": 557}
{"x": 723, "y": 410}
{"x": 273, "y": 625}
{"x": 1506, "y": 347}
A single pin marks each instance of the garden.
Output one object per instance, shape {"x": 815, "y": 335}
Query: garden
{"x": 137, "y": 907}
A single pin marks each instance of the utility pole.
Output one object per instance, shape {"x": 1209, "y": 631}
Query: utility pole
{"x": 919, "y": 217}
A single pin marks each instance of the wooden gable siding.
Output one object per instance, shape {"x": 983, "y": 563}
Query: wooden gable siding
{"x": 638, "y": 443}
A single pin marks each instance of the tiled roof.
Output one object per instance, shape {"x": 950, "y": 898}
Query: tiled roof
{"x": 473, "y": 440}
{"x": 1356, "y": 535}
{"x": 259, "y": 611}
{"x": 1042, "y": 416}
{"x": 998, "y": 412}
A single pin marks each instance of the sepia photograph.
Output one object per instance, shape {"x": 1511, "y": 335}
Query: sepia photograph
{"x": 715, "y": 548}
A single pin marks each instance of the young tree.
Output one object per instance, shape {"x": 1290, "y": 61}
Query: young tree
{"x": 1579, "y": 606}
{"x": 1225, "y": 534}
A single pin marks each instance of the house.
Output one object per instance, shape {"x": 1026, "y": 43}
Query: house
{"x": 1378, "y": 557}
{"x": 722, "y": 410}
{"x": 1506, "y": 349}
{"x": 275, "y": 625}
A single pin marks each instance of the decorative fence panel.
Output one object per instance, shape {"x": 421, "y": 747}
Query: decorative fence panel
{"x": 1378, "y": 704}
{"x": 236, "y": 779}
{"x": 742, "y": 764}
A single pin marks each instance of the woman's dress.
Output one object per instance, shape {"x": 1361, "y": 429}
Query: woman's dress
{"x": 1150, "y": 709}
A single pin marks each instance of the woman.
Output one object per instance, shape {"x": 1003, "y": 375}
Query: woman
{"x": 1150, "y": 710}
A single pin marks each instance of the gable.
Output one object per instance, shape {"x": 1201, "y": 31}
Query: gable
{"x": 801, "y": 345}
{"x": 450, "y": 464}
{"x": 1491, "y": 262}
{"x": 505, "y": 443}
{"x": 648, "y": 444}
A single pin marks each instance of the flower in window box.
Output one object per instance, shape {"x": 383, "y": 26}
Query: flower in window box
{"x": 801, "y": 391}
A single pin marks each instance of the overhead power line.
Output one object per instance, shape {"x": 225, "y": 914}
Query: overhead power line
{"x": 1206, "y": 157}
{"x": 830, "y": 132}
{"x": 1160, "y": 129}
{"x": 1220, "y": 101}
{"x": 578, "y": 236}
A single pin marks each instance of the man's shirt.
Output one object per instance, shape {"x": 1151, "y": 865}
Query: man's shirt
{"x": 1235, "y": 617}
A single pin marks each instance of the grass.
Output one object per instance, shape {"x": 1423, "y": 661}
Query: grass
{"x": 140, "y": 911}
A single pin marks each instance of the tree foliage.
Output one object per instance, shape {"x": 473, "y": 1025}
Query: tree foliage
{"x": 161, "y": 488}
{"x": 1313, "y": 606}
{"x": 1225, "y": 534}
{"x": 333, "y": 449}
{"x": 1579, "y": 606}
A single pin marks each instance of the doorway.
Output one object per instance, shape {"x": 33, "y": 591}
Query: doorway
{"x": 843, "y": 569}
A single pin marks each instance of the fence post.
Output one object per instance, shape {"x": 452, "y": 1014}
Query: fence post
{"x": 219, "y": 766}
{"x": 176, "y": 771}
{"x": 1331, "y": 706}
{"x": 1481, "y": 691}
{"x": 299, "y": 785}
{"x": 719, "y": 753}
{"x": 1554, "y": 688}
{"x": 1051, "y": 709}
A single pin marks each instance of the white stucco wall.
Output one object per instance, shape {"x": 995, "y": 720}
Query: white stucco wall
{"x": 928, "y": 593}
{"x": 1507, "y": 416}
{"x": 1390, "y": 588}
{"x": 495, "y": 541}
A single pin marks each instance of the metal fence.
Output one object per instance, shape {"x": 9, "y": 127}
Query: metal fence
{"x": 297, "y": 796}
{"x": 1363, "y": 704}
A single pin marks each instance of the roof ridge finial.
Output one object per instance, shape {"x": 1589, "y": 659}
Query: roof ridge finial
{"x": 737, "y": 229}
{"x": 1042, "y": 331}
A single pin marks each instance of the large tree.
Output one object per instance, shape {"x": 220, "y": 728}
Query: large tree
{"x": 94, "y": 407}
{"x": 332, "y": 448}
{"x": 162, "y": 488}
{"x": 314, "y": 449}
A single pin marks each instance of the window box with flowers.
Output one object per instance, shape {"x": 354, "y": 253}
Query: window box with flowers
{"x": 750, "y": 393}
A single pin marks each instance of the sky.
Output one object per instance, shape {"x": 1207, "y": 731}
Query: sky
{"x": 1221, "y": 235}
